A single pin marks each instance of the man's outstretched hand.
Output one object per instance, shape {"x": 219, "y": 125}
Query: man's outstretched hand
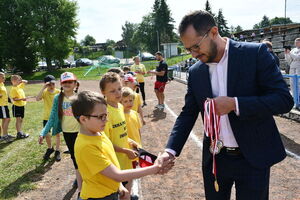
{"x": 167, "y": 162}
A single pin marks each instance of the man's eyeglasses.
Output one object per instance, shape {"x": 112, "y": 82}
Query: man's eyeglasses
{"x": 102, "y": 117}
{"x": 196, "y": 47}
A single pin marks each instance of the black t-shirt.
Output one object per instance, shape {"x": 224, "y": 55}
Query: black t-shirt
{"x": 162, "y": 67}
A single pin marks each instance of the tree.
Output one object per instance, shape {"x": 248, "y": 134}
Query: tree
{"x": 222, "y": 24}
{"x": 280, "y": 20}
{"x": 16, "y": 30}
{"x": 55, "y": 25}
{"x": 163, "y": 22}
{"x": 127, "y": 35}
{"x": 88, "y": 41}
{"x": 145, "y": 36}
{"x": 208, "y": 8}
{"x": 238, "y": 29}
{"x": 265, "y": 22}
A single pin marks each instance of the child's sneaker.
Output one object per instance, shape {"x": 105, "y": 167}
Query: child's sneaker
{"x": 7, "y": 139}
{"x": 48, "y": 153}
{"x": 134, "y": 197}
{"x": 157, "y": 106}
{"x": 11, "y": 136}
{"x": 57, "y": 156}
{"x": 21, "y": 135}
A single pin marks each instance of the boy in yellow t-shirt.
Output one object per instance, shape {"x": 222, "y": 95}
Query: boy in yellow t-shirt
{"x": 4, "y": 111}
{"x": 133, "y": 121}
{"x": 129, "y": 81}
{"x": 140, "y": 71}
{"x": 95, "y": 155}
{"x": 47, "y": 93}
{"x": 116, "y": 129}
{"x": 18, "y": 97}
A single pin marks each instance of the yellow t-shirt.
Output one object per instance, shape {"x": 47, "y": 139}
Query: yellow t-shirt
{"x": 137, "y": 102}
{"x": 18, "y": 92}
{"x": 134, "y": 124}
{"x": 4, "y": 97}
{"x": 48, "y": 101}
{"x": 116, "y": 130}
{"x": 69, "y": 123}
{"x": 140, "y": 67}
{"x": 94, "y": 154}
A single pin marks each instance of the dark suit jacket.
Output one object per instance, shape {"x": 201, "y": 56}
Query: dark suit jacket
{"x": 254, "y": 78}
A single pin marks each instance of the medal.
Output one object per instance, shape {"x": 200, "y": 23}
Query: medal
{"x": 212, "y": 130}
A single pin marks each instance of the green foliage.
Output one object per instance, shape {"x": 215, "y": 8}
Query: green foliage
{"x": 222, "y": 24}
{"x": 88, "y": 41}
{"x": 280, "y": 20}
{"x": 208, "y": 8}
{"x": 17, "y": 49}
{"x": 32, "y": 29}
{"x": 55, "y": 22}
{"x": 127, "y": 36}
{"x": 156, "y": 28}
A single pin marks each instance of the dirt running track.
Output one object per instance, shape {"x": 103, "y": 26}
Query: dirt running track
{"x": 185, "y": 181}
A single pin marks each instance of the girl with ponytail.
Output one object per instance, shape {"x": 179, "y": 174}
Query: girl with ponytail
{"x": 62, "y": 119}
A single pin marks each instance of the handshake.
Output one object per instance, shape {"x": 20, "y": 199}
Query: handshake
{"x": 164, "y": 162}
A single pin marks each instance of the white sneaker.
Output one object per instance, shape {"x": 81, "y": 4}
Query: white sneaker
{"x": 157, "y": 106}
{"x": 161, "y": 107}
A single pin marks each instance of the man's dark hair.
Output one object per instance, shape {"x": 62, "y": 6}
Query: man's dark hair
{"x": 201, "y": 20}
{"x": 158, "y": 53}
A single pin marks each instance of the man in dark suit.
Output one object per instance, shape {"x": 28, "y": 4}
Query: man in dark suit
{"x": 248, "y": 89}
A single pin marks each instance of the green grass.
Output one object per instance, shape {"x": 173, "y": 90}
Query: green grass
{"x": 78, "y": 71}
{"x": 21, "y": 162}
{"x": 170, "y": 61}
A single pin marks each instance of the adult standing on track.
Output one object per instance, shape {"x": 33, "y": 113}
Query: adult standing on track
{"x": 140, "y": 71}
{"x": 293, "y": 57}
{"x": 161, "y": 73}
{"x": 247, "y": 90}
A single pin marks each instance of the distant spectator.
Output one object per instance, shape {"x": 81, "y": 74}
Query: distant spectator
{"x": 293, "y": 57}
{"x": 241, "y": 37}
{"x": 288, "y": 63}
{"x": 270, "y": 49}
{"x": 252, "y": 34}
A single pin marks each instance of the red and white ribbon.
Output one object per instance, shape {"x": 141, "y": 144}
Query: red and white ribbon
{"x": 212, "y": 130}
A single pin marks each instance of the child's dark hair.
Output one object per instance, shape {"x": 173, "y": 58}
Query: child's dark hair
{"x": 84, "y": 103}
{"x": 116, "y": 70}
{"x": 126, "y": 68}
{"x": 109, "y": 77}
{"x": 61, "y": 99}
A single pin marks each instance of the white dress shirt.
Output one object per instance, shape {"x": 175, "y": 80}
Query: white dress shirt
{"x": 218, "y": 78}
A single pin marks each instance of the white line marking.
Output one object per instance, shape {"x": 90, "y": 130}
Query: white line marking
{"x": 199, "y": 142}
{"x": 192, "y": 134}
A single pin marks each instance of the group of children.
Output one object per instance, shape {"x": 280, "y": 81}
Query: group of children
{"x": 102, "y": 133}
{"x": 18, "y": 99}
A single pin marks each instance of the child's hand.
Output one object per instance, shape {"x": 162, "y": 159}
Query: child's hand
{"x": 131, "y": 154}
{"x": 123, "y": 193}
{"x": 133, "y": 144}
{"x": 41, "y": 138}
{"x": 159, "y": 160}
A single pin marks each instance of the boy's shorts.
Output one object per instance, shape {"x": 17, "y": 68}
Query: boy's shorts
{"x": 4, "y": 112}
{"x": 18, "y": 111}
{"x": 160, "y": 86}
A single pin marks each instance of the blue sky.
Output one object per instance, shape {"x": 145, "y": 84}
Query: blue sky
{"x": 104, "y": 19}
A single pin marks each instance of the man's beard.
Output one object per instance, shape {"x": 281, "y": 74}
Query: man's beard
{"x": 212, "y": 52}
